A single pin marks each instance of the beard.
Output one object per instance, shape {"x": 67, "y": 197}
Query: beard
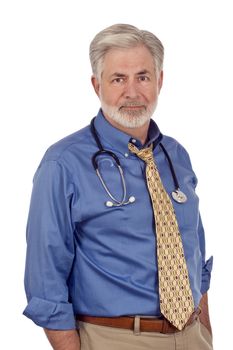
{"x": 130, "y": 118}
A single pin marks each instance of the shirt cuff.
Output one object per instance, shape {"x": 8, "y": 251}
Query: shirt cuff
{"x": 206, "y": 275}
{"x": 51, "y": 315}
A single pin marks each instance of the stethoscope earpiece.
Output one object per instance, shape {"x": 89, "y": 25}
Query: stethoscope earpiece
{"x": 132, "y": 199}
{"x": 110, "y": 204}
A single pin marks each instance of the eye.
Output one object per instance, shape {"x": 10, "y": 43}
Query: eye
{"x": 143, "y": 78}
{"x": 118, "y": 80}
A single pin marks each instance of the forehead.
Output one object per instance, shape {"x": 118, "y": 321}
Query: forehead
{"x": 128, "y": 60}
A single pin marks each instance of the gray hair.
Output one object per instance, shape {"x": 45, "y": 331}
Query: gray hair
{"x": 120, "y": 36}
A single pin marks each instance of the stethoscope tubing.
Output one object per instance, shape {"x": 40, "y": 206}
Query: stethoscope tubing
{"x": 177, "y": 194}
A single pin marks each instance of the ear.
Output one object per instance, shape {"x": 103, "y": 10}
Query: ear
{"x": 160, "y": 80}
{"x": 95, "y": 84}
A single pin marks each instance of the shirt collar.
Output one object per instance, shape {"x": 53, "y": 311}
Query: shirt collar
{"x": 118, "y": 140}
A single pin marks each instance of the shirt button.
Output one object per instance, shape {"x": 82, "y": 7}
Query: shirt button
{"x": 126, "y": 155}
{"x": 134, "y": 141}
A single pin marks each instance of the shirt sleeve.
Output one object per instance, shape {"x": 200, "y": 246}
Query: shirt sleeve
{"x": 50, "y": 248}
{"x": 206, "y": 264}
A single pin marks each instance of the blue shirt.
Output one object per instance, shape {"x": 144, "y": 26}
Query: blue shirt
{"x": 86, "y": 258}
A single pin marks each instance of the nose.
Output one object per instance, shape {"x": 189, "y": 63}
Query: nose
{"x": 131, "y": 90}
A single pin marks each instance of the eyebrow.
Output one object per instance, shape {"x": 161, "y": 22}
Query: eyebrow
{"x": 145, "y": 71}
{"x": 120, "y": 75}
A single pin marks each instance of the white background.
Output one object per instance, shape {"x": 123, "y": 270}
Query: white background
{"x": 46, "y": 94}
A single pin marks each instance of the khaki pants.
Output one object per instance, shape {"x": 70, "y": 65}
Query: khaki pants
{"x": 193, "y": 337}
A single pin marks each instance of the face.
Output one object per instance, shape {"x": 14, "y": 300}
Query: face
{"x": 128, "y": 88}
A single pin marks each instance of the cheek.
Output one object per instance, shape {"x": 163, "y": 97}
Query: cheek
{"x": 110, "y": 95}
{"x": 151, "y": 95}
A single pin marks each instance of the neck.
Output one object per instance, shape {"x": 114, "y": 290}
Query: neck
{"x": 137, "y": 133}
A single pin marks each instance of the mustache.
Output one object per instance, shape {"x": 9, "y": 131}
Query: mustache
{"x": 132, "y": 104}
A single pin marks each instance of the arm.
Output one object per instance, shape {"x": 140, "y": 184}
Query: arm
{"x": 204, "y": 315}
{"x": 63, "y": 340}
{"x": 206, "y": 265}
{"x": 50, "y": 249}
{"x": 206, "y": 275}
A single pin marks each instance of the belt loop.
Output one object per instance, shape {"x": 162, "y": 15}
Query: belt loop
{"x": 136, "y": 329}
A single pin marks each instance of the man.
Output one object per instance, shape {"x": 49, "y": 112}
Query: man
{"x": 121, "y": 253}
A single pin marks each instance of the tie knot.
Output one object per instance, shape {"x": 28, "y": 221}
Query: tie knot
{"x": 145, "y": 154}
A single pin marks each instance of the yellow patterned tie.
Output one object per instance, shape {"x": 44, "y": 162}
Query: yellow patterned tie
{"x": 176, "y": 300}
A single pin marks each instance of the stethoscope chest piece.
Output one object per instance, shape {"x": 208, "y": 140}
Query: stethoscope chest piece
{"x": 179, "y": 196}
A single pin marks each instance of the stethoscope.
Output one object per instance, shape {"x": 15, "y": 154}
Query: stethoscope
{"x": 177, "y": 194}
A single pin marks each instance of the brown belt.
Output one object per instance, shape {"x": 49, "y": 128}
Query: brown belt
{"x": 160, "y": 325}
